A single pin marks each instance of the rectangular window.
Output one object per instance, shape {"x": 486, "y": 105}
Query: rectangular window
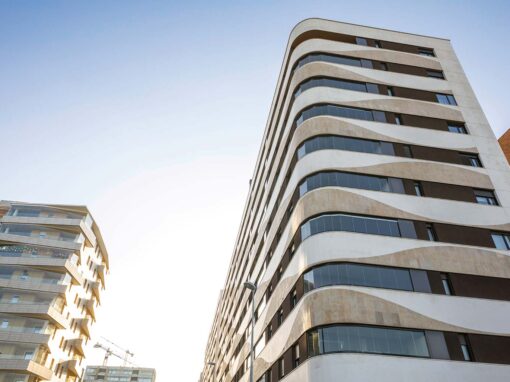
{"x": 426, "y": 52}
{"x": 293, "y": 298}
{"x": 431, "y": 233}
{"x": 456, "y": 128}
{"x": 407, "y": 151}
{"x": 471, "y": 160}
{"x": 280, "y": 317}
{"x": 269, "y": 331}
{"x": 418, "y": 189}
{"x": 501, "y": 240}
{"x": 377, "y": 44}
{"x": 398, "y": 119}
{"x": 464, "y": 347}
{"x": 281, "y": 368}
{"x": 5, "y": 324}
{"x": 384, "y": 66}
{"x": 295, "y": 355}
{"x": 486, "y": 197}
{"x": 446, "y": 99}
{"x": 391, "y": 93}
{"x": 361, "y": 41}
{"x": 435, "y": 74}
{"x": 445, "y": 280}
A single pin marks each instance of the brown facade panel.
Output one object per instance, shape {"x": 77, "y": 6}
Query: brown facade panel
{"x": 493, "y": 349}
{"x": 480, "y": 286}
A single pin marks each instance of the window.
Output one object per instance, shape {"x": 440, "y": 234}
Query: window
{"x": 337, "y": 84}
{"x": 384, "y": 66}
{"x": 293, "y": 298}
{"x": 333, "y": 142}
{"x": 446, "y": 99}
{"x": 390, "y": 92}
{"x": 280, "y": 316}
{"x": 431, "y": 233}
{"x": 5, "y": 324}
{"x": 407, "y": 151}
{"x": 471, "y": 160}
{"x": 426, "y": 52}
{"x": 14, "y": 299}
{"x": 456, "y": 128}
{"x": 501, "y": 240}
{"x": 464, "y": 347}
{"x": 358, "y": 275}
{"x": 24, "y": 275}
{"x": 269, "y": 331}
{"x": 350, "y": 180}
{"x": 261, "y": 343}
{"x": 435, "y": 74}
{"x": 352, "y": 223}
{"x": 486, "y": 197}
{"x": 295, "y": 355}
{"x": 281, "y": 368}
{"x": 29, "y": 354}
{"x": 418, "y": 189}
{"x": 367, "y": 339}
{"x": 445, "y": 280}
{"x": 342, "y": 112}
{"x": 398, "y": 119}
{"x": 361, "y": 41}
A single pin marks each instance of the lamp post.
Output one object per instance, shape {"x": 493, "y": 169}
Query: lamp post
{"x": 213, "y": 364}
{"x": 253, "y": 288}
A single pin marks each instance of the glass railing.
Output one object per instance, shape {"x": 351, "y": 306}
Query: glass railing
{"x": 14, "y": 297}
{"x": 19, "y": 273}
{"x": 14, "y": 377}
{"x": 41, "y": 232}
{"x": 36, "y": 252}
{"x": 13, "y": 350}
{"x": 17, "y": 324}
{"x": 43, "y": 212}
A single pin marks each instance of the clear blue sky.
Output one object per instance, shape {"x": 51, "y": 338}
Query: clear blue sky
{"x": 151, "y": 113}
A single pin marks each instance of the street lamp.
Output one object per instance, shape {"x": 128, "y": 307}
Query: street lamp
{"x": 253, "y": 288}
{"x": 213, "y": 364}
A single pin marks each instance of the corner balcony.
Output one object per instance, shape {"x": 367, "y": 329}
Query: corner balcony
{"x": 90, "y": 307}
{"x": 50, "y": 311}
{"x": 24, "y": 359}
{"x": 77, "y": 345}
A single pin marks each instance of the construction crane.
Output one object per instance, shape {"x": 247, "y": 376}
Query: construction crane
{"x": 109, "y": 351}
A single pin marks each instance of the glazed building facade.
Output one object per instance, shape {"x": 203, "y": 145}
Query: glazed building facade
{"x": 377, "y": 226}
{"x": 53, "y": 264}
{"x": 119, "y": 374}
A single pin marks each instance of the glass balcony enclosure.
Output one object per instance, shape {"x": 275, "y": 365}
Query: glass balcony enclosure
{"x": 16, "y": 377}
{"x": 19, "y": 297}
{"x": 43, "y": 212}
{"x": 21, "y": 273}
{"x": 18, "y": 324}
{"x": 41, "y": 232}
{"x": 22, "y": 351}
{"x": 34, "y": 251}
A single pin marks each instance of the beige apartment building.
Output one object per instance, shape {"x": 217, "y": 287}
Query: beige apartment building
{"x": 119, "y": 374}
{"x": 53, "y": 264}
{"x": 377, "y": 227}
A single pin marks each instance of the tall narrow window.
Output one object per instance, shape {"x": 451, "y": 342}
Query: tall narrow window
{"x": 377, "y": 44}
{"x": 293, "y": 298}
{"x": 445, "y": 280}
{"x": 269, "y": 331}
{"x": 280, "y": 316}
{"x": 391, "y": 93}
{"x": 281, "y": 368}
{"x": 295, "y": 355}
{"x": 464, "y": 347}
{"x": 398, "y": 119}
{"x": 418, "y": 189}
{"x": 431, "y": 233}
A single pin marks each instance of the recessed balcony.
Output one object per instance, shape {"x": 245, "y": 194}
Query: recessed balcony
{"x": 34, "y": 307}
{"x": 24, "y": 358}
{"x": 33, "y": 234}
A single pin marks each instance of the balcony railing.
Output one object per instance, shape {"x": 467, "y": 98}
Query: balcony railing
{"x": 37, "y": 252}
